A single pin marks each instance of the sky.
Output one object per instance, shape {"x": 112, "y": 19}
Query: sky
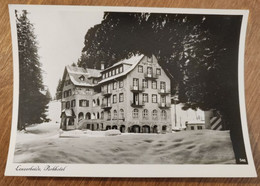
{"x": 60, "y": 35}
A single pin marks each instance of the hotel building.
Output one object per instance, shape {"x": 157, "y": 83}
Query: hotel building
{"x": 133, "y": 95}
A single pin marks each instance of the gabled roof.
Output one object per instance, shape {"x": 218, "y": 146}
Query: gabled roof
{"x": 131, "y": 64}
{"x": 131, "y": 61}
{"x": 76, "y": 72}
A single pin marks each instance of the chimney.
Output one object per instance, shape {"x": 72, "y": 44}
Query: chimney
{"x": 102, "y": 65}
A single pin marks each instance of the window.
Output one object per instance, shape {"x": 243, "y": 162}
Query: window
{"x": 108, "y": 115}
{"x": 192, "y": 127}
{"x": 82, "y": 78}
{"x": 73, "y": 103}
{"x": 121, "y": 97}
{"x": 115, "y": 114}
{"x": 122, "y": 114}
{"x": 135, "y": 82}
{"x": 114, "y": 98}
{"x": 109, "y": 74}
{"x": 162, "y": 85}
{"x": 199, "y": 127}
{"x": 117, "y": 71}
{"x": 158, "y": 71}
{"x": 155, "y": 115}
{"x": 84, "y": 103}
{"x": 149, "y": 70}
{"x": 102, "y": 115}
{"x": 164, "y": 114}
{"x": 71, "y": 121}
{"x": 103, "y": 76}
{"x": 145, "y": 98}
{"x": 140, "y": 69}
{"x": 154, "y": 98}
{"x": 67, "y": 104}
{"x": 121, "y": 84}
{"x": 67, "y": 93}
{"x": 154, "y": 84}
{"x": 163, "y": 99}
{"x": 113, "y": 72}
{"x": 114, "y": 85}
{"x": 149, "y": 59}
{"x": 135, "y": 113}
{"x": 120, "y": 69}
{"x": 145, "y": 114}
{"x": 145, "y": 83}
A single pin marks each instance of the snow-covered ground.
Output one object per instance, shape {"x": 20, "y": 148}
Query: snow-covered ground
{"x": 45, "y": 143}
{"x": 42, "y": 144}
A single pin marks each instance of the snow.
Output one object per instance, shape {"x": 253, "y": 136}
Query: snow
{"x": 54, "y": 111}
{"x": 42, "y": 144}
{"x": 88, "y": 133}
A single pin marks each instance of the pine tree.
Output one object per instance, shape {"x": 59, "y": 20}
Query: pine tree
{"x": 59, "y": 90}
{"x": 32, "y": 101}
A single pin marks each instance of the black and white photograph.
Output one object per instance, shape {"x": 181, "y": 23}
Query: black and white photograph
{"x": 124, "y": 90}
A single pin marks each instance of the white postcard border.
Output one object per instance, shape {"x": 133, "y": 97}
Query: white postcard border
{"x": 129, "y": 170}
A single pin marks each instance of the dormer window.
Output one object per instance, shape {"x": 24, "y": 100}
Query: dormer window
{"x": 82, "y": 78}
{"x": 121, "y": 69}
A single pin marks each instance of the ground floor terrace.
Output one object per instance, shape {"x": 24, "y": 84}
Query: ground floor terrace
{"x": 123, "y": 126}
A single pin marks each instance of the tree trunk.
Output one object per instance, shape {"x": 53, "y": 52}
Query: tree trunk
{"x": 237, "y": 139}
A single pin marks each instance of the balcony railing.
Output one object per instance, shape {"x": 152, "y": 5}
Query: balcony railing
{"x": 164, "y": 105}
{"x": 164, "y": 91}
{"x": 150, "y": 76}
{"x": 106, "y": 93}
{"x": 136, "y": 88}
{"x": 137, "y": 104}
{"x": 106, "y": 106}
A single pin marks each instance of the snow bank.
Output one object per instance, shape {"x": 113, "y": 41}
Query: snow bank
{"x": 42, "y": 144}
{"x": 88, "y": 133}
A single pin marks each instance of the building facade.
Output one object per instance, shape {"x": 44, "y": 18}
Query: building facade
{"x": 133, "y": 95}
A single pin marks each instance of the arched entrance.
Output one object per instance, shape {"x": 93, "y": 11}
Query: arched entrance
{"x": 135, "y": 129}
{"x": 108, "y": 127}
{"x": 88, "y": 115}
{"x": 146, "y": 129}
{"x": 80, "y": 116}
{"x": 164, "y": 128}
{"x": 122, "y": 128}
{"x": 155, "y": 129}
{"x": 114, "y": 127}
{"x": 89, "y": 126}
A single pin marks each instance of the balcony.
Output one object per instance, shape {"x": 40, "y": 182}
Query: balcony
{"x": 164, "y": 91}
{"x": 137, "y": 104}
{"x": 106, "y": 93}
{"x": 136, "y": 89}
{"x": 164, "y": 105}
{"x": 106, "y": 106}
{"x": 150, "y": 76}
